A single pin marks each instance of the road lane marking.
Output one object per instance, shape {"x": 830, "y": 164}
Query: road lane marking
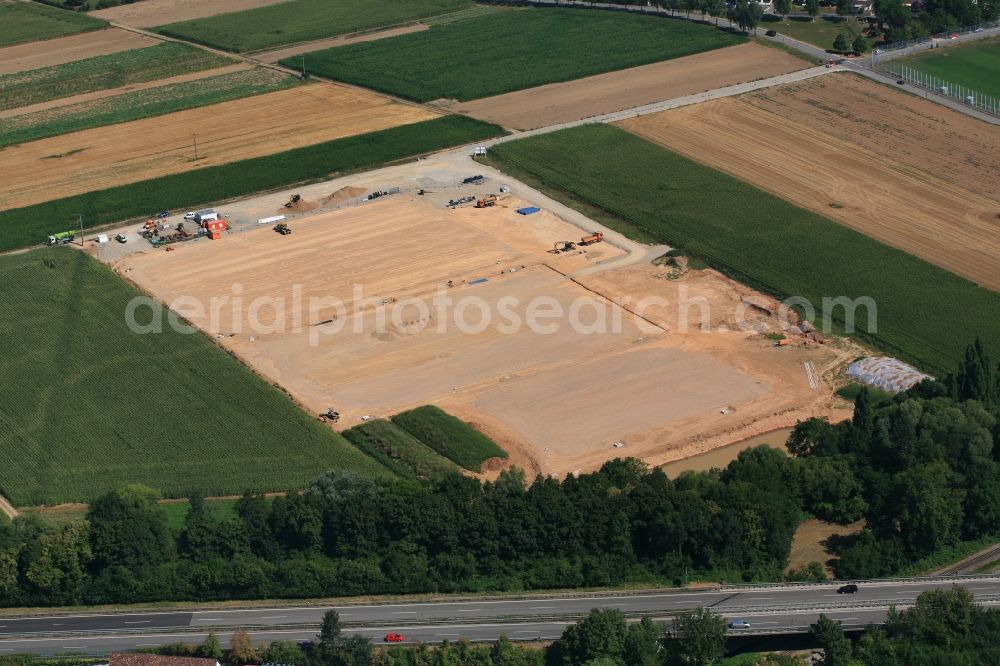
{"x": 466, "y": 610}
{"x": 74, "y": 647}
{"x": 449, "y": 634}
{"x": 906, "y": 592}
{"x": 273, "y": 617}
{"x": 148, "y": 645}
{"x": 971, "y": 588}
{"x": 404, "y": 612}
{"x": 208, "y": 619}
{"x": 136, "y": 621}
{"x": 541, "y": 608}
{"x": 761, "y": 598}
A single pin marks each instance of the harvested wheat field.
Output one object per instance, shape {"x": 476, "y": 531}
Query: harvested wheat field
{"x": 352, "y": 310}
{"x": 900, "y": 169}
{"x": 107, "y": 156}
{"x": 160, "y": 12}
{"x": 606, "y": 93}
{"x": 35, "y": 55}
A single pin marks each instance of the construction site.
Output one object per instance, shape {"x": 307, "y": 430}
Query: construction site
{"x": 445, "y": 282}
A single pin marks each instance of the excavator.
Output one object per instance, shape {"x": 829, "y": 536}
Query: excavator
{"x": 487, "y": 201}
{"x": 282, "y": 228}
{"x": 563, "y": 246}
{"x": 295, "y": 198}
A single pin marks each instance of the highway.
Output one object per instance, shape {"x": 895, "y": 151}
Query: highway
{"x": 769, "y": 609}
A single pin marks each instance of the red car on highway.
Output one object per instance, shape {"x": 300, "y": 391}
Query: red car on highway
{"x": 393, "y": 637}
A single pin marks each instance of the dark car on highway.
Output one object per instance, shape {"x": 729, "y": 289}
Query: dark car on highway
{"x": 847, "y": 589}
{"x": 771, "y": 33}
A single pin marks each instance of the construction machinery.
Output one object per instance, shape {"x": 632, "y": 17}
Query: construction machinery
{"x": 595, "y": 237}
{"x": 295, "y": 198}
{"x": 62, "y": 238}
{"x": 563, "y": 246}
{"x": 454, "y": 203}
{"x": 487, "y": 201}
{"x": 282, "y": 228}
{"x": 330, "y": 415}
{"x": 474, "y": 180}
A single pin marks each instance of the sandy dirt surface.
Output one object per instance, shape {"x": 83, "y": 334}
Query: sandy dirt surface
{"x": 333, "y": 42}
{"x": 815, "y": 541}
{"x": 160, "y": 12}
{"x": 557, "y": 399}
{"x": 34, "y": 55}
{"x": 107, "y": 156}
{"x": 924, "y": 180}
{"x": 606, "y": 93}
{"x": 112, "y": 92}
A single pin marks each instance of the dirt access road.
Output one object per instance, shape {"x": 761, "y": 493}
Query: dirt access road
{"x": 606, "y": 93}
{"x": 888, "y": 164}
{"x": 262, "y": 125}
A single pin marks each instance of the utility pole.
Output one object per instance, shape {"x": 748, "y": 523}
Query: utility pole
{"x": 304, "y": 75}
{"x": 194, "y": 139}
{"x": 79, "y": 220}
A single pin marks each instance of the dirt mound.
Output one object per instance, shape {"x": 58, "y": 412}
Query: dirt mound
{"x": 300, "y": 206}
{"x": 343, "y": 194}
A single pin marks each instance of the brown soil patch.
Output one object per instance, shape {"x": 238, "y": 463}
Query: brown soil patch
{"x": 160, "y": 12}
{"x": 870, "y": 168}
{"x": 300, "y": 206}
{"x": 557, "y": 400}
{"x": 262, "y": 125}
{"x": 606, "y": 93}
{"x": 68, "y": 49}
{"x": 343, "y": 194}
{"x": 813, "y": 539}
{"x": 333, "y": 42}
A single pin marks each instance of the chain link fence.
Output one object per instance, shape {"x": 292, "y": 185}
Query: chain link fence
{"x": 888, "y": 59}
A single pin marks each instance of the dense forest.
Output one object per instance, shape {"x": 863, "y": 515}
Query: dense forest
{"x": 921, "y": 468}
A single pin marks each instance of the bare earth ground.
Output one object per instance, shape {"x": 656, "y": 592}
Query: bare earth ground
{"x": 160, "y": 12}
{"x": 810, "y": 543}
{"x": 289, "y": 51}
{"x": 605, "y": 93}
{"x": 106, "y": 156}
{"x": 557, "y": 400}
{"x": 112, "y": 92}
{"x": 34, "y": 55}
{"x": 925, "y": 180}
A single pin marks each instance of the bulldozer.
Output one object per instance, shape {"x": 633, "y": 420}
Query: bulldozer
{"x": 487, "y": 201}
{"x": 295, "y": 198}
{"x": 282, "y": 228}
{"x": 563, "y": 246}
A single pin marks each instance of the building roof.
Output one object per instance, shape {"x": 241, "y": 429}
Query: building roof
{"x": 135, "y": 659}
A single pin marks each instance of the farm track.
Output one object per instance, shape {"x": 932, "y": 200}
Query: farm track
{"x": 114, "y": 92}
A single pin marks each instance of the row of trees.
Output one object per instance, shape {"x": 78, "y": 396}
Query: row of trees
{"x": 350, "y": 535}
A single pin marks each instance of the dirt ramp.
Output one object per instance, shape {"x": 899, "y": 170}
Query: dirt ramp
{"x": 343, "y": 194}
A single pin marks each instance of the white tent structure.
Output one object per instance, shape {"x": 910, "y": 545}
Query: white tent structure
{"x": 886, "y": 373}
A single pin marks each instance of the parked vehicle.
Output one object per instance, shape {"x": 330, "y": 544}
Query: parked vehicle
{"x": 121, "y": 238}
{"x": 771, "y": 33}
